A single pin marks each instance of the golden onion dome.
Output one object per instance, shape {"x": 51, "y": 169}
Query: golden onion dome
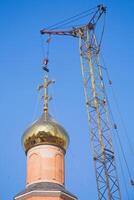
{"x": 45, "y": 131}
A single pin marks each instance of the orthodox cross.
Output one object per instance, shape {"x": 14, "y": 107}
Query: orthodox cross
{"x": 46, "y": 97}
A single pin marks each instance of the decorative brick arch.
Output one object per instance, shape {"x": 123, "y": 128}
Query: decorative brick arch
{"x": 59, "y": 167}
{"x": 33, "y": 171}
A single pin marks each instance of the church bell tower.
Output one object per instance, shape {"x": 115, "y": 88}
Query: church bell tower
{"x": 45, "y": 143}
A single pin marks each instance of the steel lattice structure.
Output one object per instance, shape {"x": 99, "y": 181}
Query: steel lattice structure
{"x": 99, "y": 125}
{"x": 97, "y": 109}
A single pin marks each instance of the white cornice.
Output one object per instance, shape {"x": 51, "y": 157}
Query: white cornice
{"x": 44, "y": 193}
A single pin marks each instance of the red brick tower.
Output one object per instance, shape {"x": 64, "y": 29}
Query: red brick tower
{"x": 45, "y": 144}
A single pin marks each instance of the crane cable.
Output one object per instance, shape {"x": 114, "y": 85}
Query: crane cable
{"x": 122, "y": 172}
{"x": 102, "y": 33}
{"x": 69, "y": 20}
{"x": 120, "y": 114}
{"x": 65, "y": 22}
{"x": 73, "y": 20}
{"x": 45, "y": 53}
{"x": 119, "y": 140}
{"x": 39, "y": 97}
{"x": 117, "y": 106}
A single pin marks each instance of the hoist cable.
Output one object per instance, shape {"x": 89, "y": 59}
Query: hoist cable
{"x": 42, "y": 45}
{"x": 48, "y": 44}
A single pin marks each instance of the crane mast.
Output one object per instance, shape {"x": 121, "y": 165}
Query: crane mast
{"x": 96, "y": 106}
{"x": 98, "y": 120}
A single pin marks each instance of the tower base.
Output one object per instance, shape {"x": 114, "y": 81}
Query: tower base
{"x": 45, "y": 191}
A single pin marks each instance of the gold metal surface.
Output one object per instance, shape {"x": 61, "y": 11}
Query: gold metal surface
{"x": 45, "y": 132}
{"x": 46, "y": 97}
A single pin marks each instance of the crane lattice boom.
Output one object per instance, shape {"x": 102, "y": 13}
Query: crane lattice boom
{"x": 96, "y": 105}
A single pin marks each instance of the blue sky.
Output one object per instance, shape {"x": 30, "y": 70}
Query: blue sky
{"x": 21, "y": 73}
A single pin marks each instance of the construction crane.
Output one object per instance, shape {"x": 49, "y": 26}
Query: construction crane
{"x": 96, "y": 105}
